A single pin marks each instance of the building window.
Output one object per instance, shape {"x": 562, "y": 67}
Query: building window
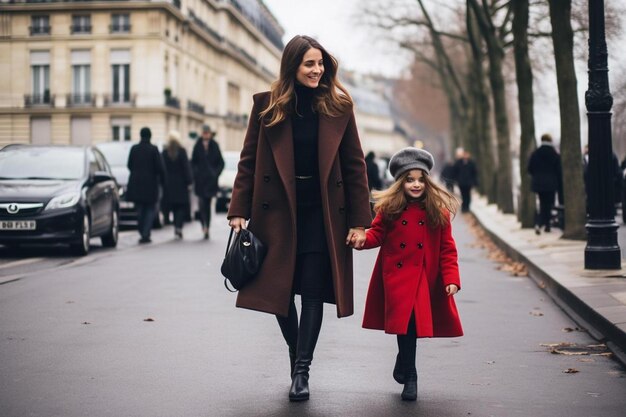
{"x": 120, "y": 76}
{"x": 81, "y": 77}
{"x": 40, "y": 131}
{"x": 120, "y": 128}
{"x": 40, "y": 70}
{"x": 120, "y": 23}
{"x": 40, "y": 25}
{"x": 81, "y": 23}
{"x": 80, "y": 130}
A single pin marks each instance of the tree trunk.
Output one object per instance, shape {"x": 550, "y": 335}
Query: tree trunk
{"x": 571, "y": 156}
{"x": 524, "y": 78}
{"x": 495, "y": 52}
{"x": 487, "y": 169}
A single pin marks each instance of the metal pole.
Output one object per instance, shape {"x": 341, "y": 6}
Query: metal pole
{"x": 602, "y": 250}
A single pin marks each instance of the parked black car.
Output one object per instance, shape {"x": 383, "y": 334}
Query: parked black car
{"x": 116, "y": 154}
{"x": 57, "y": 194}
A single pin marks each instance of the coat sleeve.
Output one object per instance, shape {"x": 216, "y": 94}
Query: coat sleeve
{"x": 355, "y": 177}
{"x": 186, "y": 167}
{"x": 448, "y": 258}
{"x": 375, "y": 236}
{"x": 241, "y": 200}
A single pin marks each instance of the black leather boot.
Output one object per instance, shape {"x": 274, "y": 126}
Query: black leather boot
{"x": 310, "y": 324}
{"x": 407, "y": 346}
{"x": 398, "y": 373}
{"x": 409, "y": 393}
{"x": 289, "y": 329}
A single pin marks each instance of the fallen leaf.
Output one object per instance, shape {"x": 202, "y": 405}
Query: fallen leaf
{"x": 586, "y": 360}
{"x": 536, "y": 313}
{"x": 571, "y": 371}
{"x": 490, "y": 362}
{"x": 148, "y": 319}
{"x": 86, "y": 322}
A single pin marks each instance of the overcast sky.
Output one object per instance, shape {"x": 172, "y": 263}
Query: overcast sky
{"x": 332, "y": 23}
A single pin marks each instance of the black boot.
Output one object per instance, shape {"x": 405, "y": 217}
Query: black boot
{"x": 398, "y": 373}
{"x": 407, "y": 346}
{"x": 289, "y": 329}
{"x": 310, "y": 324}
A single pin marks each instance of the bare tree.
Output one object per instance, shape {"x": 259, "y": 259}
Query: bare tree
{"x": 525, "y": 99}
{"x": 495, "y": 39}
{"x": 573, "y": 189}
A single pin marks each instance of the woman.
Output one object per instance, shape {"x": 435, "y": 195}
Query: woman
{"x": 302, "y": 184}
{"x": 178, "y": 180}
{"x": 207, "y": 164}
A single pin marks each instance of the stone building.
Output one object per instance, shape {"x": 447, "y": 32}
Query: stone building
{"x": 78, "y": 72}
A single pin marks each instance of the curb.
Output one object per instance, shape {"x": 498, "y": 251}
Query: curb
{"x": 584, "y": 315}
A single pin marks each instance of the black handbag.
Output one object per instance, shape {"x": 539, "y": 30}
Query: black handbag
{"x": 243, "y": 259}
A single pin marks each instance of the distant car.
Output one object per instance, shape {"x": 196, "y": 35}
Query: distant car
{"x": 226, "y": 181}
{"x": 116, "y": 154}
{"x": 57, "y": 194}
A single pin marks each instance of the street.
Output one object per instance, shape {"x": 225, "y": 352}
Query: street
{"x": 151, "y": 331}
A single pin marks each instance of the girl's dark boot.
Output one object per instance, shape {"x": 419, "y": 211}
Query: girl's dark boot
{"x": 407, "y": 345}
{"x": 289, "y": 329}
{"x": 310, "y": 324}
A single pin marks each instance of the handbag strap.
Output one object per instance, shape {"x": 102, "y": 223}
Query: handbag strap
{"x": 230, "y": 238}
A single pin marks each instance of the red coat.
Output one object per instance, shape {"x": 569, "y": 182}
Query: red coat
{"x": 414, "y": 265}
{"x": 265, "y": 192}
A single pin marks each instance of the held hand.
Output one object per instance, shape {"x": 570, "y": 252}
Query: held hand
{"x": 451, "y": 289}
{"x": 237, "y": 223}
{"x": 356, "y": 237}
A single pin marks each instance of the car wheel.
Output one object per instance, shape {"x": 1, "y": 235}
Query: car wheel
{"x": 82, "y": 247}
{"x": 110, "y": 239}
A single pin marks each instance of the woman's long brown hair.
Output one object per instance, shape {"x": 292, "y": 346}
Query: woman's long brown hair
{"x": 438, "y": 202}
{"x": 332, "y": 100}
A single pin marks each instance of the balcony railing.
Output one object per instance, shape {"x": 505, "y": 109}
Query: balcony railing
{"x": 195, "y": 107}
{"x": 120, "y": 100}
{"x": 171, "y": 101}
{"x": 39, "y": 30}
{"x": 80, "y": 29}
{"x": 205, "y": 27}
{"x": 39, "y": 100}
{"x": 123, "y": 28}
{"x": 81, "y": 100}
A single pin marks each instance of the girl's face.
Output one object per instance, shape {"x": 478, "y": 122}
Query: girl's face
{"x": 311, "y": 68}
{"x": 414, "y": 184}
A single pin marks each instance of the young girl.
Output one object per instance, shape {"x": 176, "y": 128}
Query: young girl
{"x": 416, "y": 273}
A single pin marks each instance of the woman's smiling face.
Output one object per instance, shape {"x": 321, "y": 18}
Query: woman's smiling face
{"x": 311, "y": 68}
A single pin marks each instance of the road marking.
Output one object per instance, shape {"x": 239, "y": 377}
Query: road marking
{"x": 20, "y": 262}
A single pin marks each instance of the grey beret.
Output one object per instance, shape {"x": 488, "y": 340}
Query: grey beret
{"x": 408, "y": 159}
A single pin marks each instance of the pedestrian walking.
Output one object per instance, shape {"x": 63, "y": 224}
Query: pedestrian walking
{"x": 207, "y": 164}
{"x": 301, "y": 183}
{"x": 544, "y": 167}
{"x": 466, "y": 176}
{"x": 146, "y": 174}
{"x": 447, "y": 176}
{"x": 179, "y": 178}
{"x": 416, "y": 273}
{"x": 374, "y": 181}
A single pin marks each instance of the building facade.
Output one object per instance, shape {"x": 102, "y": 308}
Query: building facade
{"x": 78, "y": 72}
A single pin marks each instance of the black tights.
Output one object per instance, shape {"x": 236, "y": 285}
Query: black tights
{"x": 407, "y": 346}
{"x": 312, "y": 269}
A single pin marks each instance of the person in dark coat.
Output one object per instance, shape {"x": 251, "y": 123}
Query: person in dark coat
{"x": 146, "y": 173}
{"x": 302, "y": 183}
{"x": 179, "y": 179}
{"x": 466, "y": 176}
{"x": 373, "y": 174}
{"x": 544, "y": 167}
{"x": 207, "y": 164}
{"x": 447, "y": 176}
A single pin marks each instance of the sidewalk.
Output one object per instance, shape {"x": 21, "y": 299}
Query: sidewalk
{"x": 596, "y": 300}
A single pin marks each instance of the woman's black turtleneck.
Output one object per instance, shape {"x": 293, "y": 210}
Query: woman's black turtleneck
{"x": 304, "y": 122}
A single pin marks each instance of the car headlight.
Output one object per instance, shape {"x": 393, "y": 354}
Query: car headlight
{"x": 63, "y": 201}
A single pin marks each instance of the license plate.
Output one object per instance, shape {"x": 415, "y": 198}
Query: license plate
{"x": 18, "y": 224}
{"x": 127, "y": 204}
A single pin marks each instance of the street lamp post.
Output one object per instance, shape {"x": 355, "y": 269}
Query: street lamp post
{"x": 602, "y": 250}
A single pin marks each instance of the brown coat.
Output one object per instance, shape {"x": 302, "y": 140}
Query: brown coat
{"x": 265, "y": 192}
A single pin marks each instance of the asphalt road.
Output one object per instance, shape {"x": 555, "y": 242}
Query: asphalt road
{"x": 74, "y": 341}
